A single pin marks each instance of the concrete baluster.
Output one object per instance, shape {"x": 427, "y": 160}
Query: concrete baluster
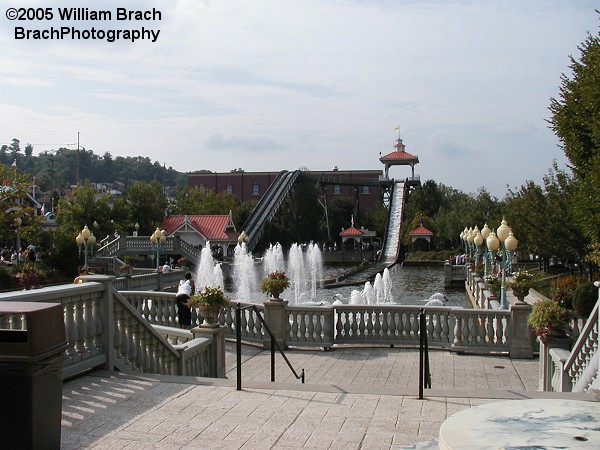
{"x": 520, "y": 338}
{"x": 276, "y": 317}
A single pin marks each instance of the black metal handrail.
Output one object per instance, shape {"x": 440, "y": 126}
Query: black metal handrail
{"x": 274, "y": 344}
{"x": 424, "y": 373}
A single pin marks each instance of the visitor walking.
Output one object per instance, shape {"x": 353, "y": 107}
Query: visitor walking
{"x": 186, "y": 289}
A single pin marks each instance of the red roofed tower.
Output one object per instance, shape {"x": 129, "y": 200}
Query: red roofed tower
{"x": 400, "y": 157}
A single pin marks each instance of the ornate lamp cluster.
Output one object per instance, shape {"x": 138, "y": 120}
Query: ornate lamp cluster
{"x": 158, "y": 238}
{"x": 504, "y": 240}
{"x": 473, "y": 239}
{"x": 86, "y": 241}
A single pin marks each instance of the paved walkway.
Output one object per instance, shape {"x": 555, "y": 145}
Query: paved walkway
{"x": 355, "y": 398}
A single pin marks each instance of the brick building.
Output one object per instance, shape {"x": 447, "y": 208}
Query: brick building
{"x": 363, "y": 186}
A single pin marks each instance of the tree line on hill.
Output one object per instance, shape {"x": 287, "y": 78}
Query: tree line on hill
{"x": 64, "y": 167}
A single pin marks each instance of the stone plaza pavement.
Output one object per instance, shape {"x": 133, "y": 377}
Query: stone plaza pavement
{"x": 354, "y": 398}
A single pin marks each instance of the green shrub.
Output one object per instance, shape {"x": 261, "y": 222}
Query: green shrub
{"x": 564, "y": 290}
{"x": 6, "y": 279}
{"x": 548, "y": 317}
{"x": 479, "y": 270}
{"x": 584, "y": 299}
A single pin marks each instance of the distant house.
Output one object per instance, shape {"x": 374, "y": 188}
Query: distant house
{"x": 198, "y": 230}
{"x": 14, "y": 202}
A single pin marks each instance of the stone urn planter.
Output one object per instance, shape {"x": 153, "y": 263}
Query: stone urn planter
{"x": 209, "y": 302}
{"x": 521, "y": 282}
{"x": 274, "y": 284}
{"x": 521, "y": 293}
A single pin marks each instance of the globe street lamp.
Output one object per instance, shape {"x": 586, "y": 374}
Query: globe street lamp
{"x": 485, "y": 232}
{"x": 463, "y": 237}
{"x": 86, "y": 240}
{"x": 158, "y": 238}
{"x": 18, "y": 222}
{"x": 509, "y": 245}
{"x": 470, "y": 241}
{"x": 477, "y": 241}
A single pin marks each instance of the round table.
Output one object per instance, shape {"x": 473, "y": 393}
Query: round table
{"x": 542, "y": 423}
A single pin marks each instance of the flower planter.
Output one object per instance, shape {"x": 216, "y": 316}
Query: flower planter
{"x": 209, "y": 315}
{"x": 209, "y": 302}
{"x": 520, "y": 293}
{"x": 274, "y": 284}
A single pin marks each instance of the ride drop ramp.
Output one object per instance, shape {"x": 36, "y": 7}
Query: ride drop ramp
{"x": 268, "y": 205}
{"x": 391, "y": 248}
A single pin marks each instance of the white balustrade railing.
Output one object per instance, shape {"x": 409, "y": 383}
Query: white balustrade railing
{"x": 142, "y": 244}
{"x": 458, "y": 329}
{"x": 577, "y": 370}
{"x": 149, "y": 281}
{"x": 251, "y": 327}
{"x": 103, "y": 330}
{"x": 310, "y": 326}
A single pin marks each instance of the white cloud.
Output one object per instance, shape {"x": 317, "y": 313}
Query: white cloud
{"x": 312, "y": 83}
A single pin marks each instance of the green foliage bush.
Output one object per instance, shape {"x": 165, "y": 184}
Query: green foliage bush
{"x": 546, "y": 317}
{"x": 584, "y": 299}
{"x": 6, "y": 279}
{"x": 564, "y": 290}
{"x": 441, "y": 255}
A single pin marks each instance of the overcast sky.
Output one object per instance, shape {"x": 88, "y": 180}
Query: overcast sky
{"x": 281, "y": 84}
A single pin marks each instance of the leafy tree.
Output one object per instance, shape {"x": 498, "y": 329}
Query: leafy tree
{"x": 85, "y": 209}
{"x": 543, "y": 221}
{"x": 13, "y": 192}
{"x": 147, "y": 203}
{"x": 200, "y": 200}
{"x": 15, "y": 146}
{"x": 376, "y": 219}
{"x": 4, "y": 158}
{"x": 28, "y": 150}
{"x": 576, "y": 122}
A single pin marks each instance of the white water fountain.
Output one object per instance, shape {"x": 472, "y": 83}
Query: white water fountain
{"x": 304, "y": 268}
{"x": 378, "y": 293}
{"x": 209, "y": 273}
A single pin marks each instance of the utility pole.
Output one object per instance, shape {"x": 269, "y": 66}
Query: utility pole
{"x": 52, "y": 182}
{"x": 77, "y": 161}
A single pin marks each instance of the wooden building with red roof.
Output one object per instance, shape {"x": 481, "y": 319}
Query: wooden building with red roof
{"x": 197, "y": 230}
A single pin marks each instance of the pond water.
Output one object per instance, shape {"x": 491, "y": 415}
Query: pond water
{"x": 410, "y": 286}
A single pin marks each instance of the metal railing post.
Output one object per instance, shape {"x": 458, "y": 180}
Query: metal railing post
{"x": 238, "y": 344}
{"x": 424, "y": 373}
{"x": 421, "y": 355}
{"x": 272, "y": 359}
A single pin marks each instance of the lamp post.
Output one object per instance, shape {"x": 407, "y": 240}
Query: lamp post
{"x": 158, "y": 238}
{"x": 470, "y": 237}
{"x": 485, "y": 232}
{"x": 508, "y": 243}
{"x": 86, "y": 240}
{"x": 463, "y": 238}
{"x": 18, "y": 222}
{"x": 478, "y": 241}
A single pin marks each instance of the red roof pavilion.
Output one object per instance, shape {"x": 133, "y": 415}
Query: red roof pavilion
{"x": 399, "y": 157}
